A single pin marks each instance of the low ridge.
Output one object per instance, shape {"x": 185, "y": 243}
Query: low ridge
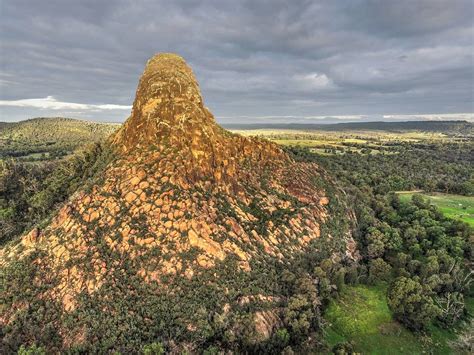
{"x": 182, "y": 196}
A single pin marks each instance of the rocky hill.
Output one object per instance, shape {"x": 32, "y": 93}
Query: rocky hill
{"x": 183, "y": 238}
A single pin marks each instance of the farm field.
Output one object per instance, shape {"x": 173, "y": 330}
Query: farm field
{"x": 453, "y": 206}
{"x": 366, "y": 142}
{"x": 288, "y": 137}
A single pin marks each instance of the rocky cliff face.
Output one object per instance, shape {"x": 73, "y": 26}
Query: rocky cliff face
{"x": 169, "y": 113}
{"x": 182, "y": 195}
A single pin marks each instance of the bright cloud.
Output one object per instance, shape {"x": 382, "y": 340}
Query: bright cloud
{"x": 50, "y": 103}
{"x": 314, "y": 81}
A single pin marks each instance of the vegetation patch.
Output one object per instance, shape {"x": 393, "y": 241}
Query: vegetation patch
{"x": 361, "y": 317}
{"x": 453, "y": 206}
{"x": 43, "y": 139}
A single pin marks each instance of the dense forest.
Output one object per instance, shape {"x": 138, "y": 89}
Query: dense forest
{"x": 429, "y": 166}
{"x": 425, "y": 258}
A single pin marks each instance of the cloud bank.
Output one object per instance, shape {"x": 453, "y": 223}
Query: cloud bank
{"x": 274, "y": 58}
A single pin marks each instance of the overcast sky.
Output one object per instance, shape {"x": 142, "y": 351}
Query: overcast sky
{"x": 256, "y": 61}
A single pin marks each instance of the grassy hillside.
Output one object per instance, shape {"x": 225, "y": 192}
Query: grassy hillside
{"x": 45, "y": 138}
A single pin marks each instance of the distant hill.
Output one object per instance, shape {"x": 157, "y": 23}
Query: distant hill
{"x": 40, "y": 138}
{"x": 448, "y": 127}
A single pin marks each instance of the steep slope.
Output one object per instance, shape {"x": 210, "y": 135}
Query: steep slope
{"x": 182, "y": 198}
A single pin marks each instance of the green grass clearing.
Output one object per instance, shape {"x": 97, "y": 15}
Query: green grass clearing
{"x": 361, "y": 316}
{"x": 452, "y": 206}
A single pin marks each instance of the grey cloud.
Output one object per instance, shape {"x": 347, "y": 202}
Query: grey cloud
{"x": 252, "y": 58}
{"x": 406, "y": 18}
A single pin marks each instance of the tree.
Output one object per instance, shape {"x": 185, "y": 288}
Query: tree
{"x": 31, "y": 350}
{"x": 298, "y": 316}
{"x": 379, "y": 270}
{"x": 375, "y": 243}
{"x": 411, "y": 303}
{"x": 153, "y": 349}
{"x": 281, "y": 339}
{"x": 343, "y": 348}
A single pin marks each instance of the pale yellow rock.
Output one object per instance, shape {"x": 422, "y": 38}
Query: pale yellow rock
{"x": 135, "y": 181}
{"x": 143, "y": 185}
{"x": 130, "y": 197}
